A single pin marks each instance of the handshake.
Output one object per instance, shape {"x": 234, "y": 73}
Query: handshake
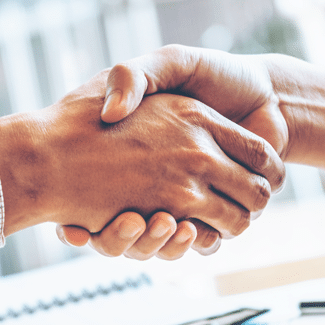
{"x": 174, "y": 150}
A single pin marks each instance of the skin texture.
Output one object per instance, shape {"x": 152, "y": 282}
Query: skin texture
{"x": 233, "y": 85}
{"x": 276, "y": 96}
{"x": 255, "y": 88}
{"x": 63, "y": 164}
{"x": 280, "y": 98}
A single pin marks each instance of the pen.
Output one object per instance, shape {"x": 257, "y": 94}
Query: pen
{"x": 236, "y": 317}
{"x": 312, "y": 308}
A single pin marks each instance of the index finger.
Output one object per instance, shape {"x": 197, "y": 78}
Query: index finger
{"x": 246, "y": 148}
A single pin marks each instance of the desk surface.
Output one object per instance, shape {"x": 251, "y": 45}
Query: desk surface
{"x": 161, "y": 303}
{"x": 183, "y": 290}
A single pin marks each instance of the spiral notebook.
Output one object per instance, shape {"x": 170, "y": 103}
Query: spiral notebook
{"x": 98, "y": 290}
{"x": 95, "y": 290}
{"x": 88, "y": 290}
{"x": 71, "y": 298}
{"x": 92, "y": 290}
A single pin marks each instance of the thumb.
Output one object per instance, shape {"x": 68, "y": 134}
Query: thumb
{"x": 126, "y": 88}
{"x": 73, "y": 235}
{"x": 168, "y": 68}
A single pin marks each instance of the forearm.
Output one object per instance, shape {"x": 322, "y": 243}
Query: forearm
{"x": 300, "y": 89}
{"x": 19, "y": 173}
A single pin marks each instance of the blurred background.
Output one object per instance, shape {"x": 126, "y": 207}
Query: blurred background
{"x": 49, "y": 47}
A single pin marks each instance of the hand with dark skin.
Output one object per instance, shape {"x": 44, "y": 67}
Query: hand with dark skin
{"x": 236, "y": 86}
{"x": 207, "y": 238}
{"x": 280, "y": 98}
{"x": 173, "y": 158}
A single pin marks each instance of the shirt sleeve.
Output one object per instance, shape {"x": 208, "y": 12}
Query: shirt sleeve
{"x": 2, "y": 218}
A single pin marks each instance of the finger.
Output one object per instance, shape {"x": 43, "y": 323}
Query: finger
{"x": 208, "y": 239}
{"x": 227, "y": 217}
{"x": 126, "y": 88}
{"x": 227, "y": 178}
{"x": 247, "y": 148}
{"x": 160, "y": 227}
{"x": 166, "y": 68}
{"x": 73, "y": 235}
{"x": 179, "y": 243}
{"x": 256, "y": 214}
{"x": 119, "y": 235}
{"x": 238, "y": 185}
{"x": 273, "y": 129}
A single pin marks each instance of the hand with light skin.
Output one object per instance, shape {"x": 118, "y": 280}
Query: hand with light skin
{"x": 280, "y": 98}
{"x": 173, "y": 158}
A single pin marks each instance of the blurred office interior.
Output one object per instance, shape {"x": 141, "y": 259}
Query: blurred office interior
{"x": 49, "y": 47}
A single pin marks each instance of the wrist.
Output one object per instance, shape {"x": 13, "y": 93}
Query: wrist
{"x": 300, "y": 89}
{"x": 21, "y": 172}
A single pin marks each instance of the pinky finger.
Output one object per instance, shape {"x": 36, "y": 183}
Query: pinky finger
{"x": 179, "y": 243}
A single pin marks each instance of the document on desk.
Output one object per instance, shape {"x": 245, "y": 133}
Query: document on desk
{"x": 90, "y": 290}
{"x": 96, "y": 290}
{"x": 102, "y": 291}
{"x": 83, "y": 291}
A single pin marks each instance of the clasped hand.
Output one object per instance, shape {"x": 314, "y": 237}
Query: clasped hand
{"x": 173, "y": 160}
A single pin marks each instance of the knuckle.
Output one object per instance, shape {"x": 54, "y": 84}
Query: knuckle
{"x": 122, "y": 72}
{"x": 190, "y": 198}
{"x": 208, "y": 239}
{"x": 263, "y": 193}
{"x": 188, "y": 109}
{"x": 279, "y": 180}
{"x": 171, "y": 49}
{"x": 121, "y": 68}
{"x": 259, "y": 154}
{"x": 201, "y": 162}
{"x": 238, "y": 226}
{"x": 192, "y": 116}
{"x": 243, "y": 223}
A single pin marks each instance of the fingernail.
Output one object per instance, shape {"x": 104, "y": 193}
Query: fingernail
{"x": 76, "y": 236}
{"x": 158, "y": 230}
{"x": 112, "y": 100}
{"x": 128, "y": 229}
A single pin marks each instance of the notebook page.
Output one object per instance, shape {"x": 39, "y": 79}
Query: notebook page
{"x": 142, "y": 300}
